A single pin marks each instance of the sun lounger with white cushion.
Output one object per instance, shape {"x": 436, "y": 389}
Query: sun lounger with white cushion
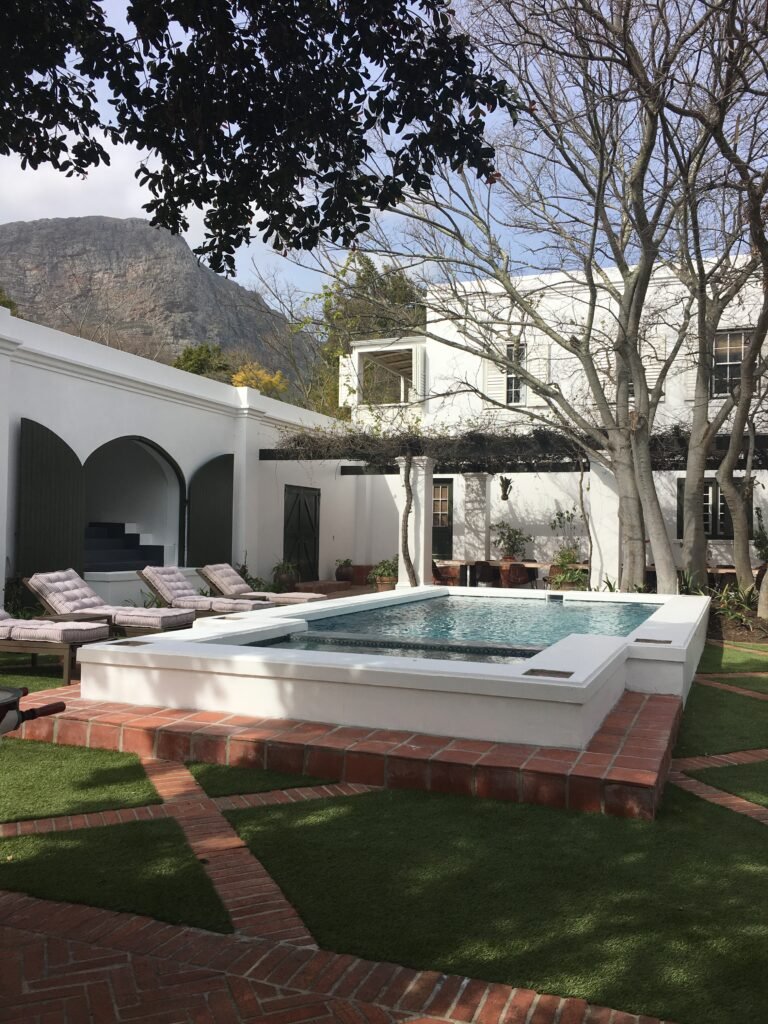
{"x": 228, "y": 582}
{"x": 43, "y": 636}
{"x": 64, "y": 593}
{"x": 174, "y": 589}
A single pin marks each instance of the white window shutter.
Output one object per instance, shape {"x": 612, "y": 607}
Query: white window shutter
{"x": 348, "y": 381}
{"x": 653, "y": 356}
{"x": 495, "y": 382}
{"x": 537, "y": 364}
{"x": 418, "y": 391}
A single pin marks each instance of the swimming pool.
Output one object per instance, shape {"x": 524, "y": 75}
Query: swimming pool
{"x": 490, "y": 620}
{"x": 338, "y": 664}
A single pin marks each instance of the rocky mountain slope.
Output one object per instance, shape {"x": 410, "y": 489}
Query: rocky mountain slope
{"x": 131, "y": 286}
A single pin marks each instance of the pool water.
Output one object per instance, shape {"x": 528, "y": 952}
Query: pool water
{"x": 395, "y": 649}
{"x": 490, "y": 620}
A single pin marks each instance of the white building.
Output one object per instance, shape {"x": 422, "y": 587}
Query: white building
{"x": 173, "y": 463}
{"x": 446, "y": 378}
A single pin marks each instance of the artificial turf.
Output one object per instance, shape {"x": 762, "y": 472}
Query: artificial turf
{"x": 665, "y": 918}
{"x": 16, "y": 670}
{"x": 716, "y": 659}
{"x": 41, "y": 780}
{"x": 718, "y": 722}
{"x": 144, "y": 867}
{"x": 749, "y": 781}
{"x": 223, "y": 780}
{"x": 757, "y": 683}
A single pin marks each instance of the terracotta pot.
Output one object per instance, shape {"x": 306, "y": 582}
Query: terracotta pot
{"x": 386, "y": 583}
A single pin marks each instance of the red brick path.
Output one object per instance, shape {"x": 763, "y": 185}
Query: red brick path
{"x": 65, "y": 963}
{"x": 622, "y": 771}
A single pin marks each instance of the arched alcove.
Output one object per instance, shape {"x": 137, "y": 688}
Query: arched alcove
{"x": 134, "y": 506}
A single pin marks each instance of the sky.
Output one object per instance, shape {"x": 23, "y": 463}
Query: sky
{"x": 113, "y": 191}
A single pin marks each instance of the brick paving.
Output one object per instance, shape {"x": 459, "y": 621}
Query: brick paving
{"x": 622, "y": 771}
{"x": 66, "y": 963}
{"x": 681, "y": 765}
{"x": 717, "y": 684}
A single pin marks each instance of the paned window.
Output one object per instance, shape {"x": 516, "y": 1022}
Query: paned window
{"x": 728, "y": 355}
{"x": 515, "y": 385}
{"x": 715, "y": 514}
{"x": 441, "y": 508}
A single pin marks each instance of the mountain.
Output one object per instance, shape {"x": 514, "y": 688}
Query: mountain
{"x": 126, "y": 284}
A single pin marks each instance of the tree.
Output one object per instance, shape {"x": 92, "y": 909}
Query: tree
{"x": 365, "y": 300}
{"x": 7, "y": 302}
{"x": 206, "y": 360}
{"x": 248, "y": 104}
{"x": 254, "y": 375}
{"x": 600, "y": 170}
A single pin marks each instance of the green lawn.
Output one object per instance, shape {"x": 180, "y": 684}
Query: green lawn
{"x": 757, "y": 683}
{"x": 717, "y": 722}
{"x": 220, "y": 780}
{"x": 41, "y": 780}
{"x": 746, "y": 780}
{"x": 145, "y": 867}
{"x": 664, "y": 918}
{"x": 15, "y": 670}
{"x": 716, "y": 659}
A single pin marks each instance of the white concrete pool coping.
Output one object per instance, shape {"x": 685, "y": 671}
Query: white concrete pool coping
{"x": 575, "y": 681}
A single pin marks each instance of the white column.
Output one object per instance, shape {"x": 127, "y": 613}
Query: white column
{"x": 603, "y": 525}
{"x": 248, "y": 432}
{"x": 419, "y": 522}
{"x": 477, "y": 517}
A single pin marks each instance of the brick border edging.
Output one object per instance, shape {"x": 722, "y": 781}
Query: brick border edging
{"x": 337, "y": 976}
{"x": 622, "y": 772}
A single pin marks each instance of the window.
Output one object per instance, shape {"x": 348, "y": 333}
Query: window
{"x": 387, "y": 377}
{"x": 515, "y": 385}
{"x": 728, "y": 354}
{"x": 715, "y": 514}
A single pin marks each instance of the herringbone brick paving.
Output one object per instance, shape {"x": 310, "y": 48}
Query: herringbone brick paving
{"x": 66, "y": 964}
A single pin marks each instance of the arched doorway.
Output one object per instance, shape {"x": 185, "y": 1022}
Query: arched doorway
{"x": 134, "y": 507}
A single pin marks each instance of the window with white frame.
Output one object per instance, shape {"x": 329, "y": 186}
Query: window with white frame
{"x": 715, "y": 515}
{"x": 515, "y": 384}
{"x": 387, "y": 377}
{"x": 727, "y": 358}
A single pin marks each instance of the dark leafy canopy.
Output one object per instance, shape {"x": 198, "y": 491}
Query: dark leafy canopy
{"x": 250, "y": 105}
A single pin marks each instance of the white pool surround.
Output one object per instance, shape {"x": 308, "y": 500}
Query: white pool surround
{"x": 558, "y": 697}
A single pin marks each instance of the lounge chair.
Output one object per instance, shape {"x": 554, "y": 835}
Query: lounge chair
{"x": 174, "y": 589}
{"x": 67, "y": 595}
{"x": 45, "y": 636}
{"x": 229, "y": 583}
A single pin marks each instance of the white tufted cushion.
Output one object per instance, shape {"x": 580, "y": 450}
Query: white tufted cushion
{"x": 65, "y": 591}
{"x": 227, "y": 580}
{"x": 297, "y": 597}
{"x": 169, "y": 582}
{"x": 153, "y": 618}
{"x": 61, "y": 632}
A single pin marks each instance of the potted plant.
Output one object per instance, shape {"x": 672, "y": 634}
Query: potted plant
{"x": 565, "y": 573}
{"x": 344, "y": 569}
{"x": 384, "y": 574}
{"x": 510, "y": 540}
{"x": 285, "y": 576}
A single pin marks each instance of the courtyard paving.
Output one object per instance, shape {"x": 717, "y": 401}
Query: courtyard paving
{"x": 65, "y": 963}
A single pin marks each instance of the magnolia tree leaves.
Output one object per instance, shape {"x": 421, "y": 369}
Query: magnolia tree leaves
{"x": 290, "y": 118}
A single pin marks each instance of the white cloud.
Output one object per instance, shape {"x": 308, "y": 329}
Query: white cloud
{"x": 113, "y": 191}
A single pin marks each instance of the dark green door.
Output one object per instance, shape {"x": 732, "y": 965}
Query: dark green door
{"x": 442, "y": 518}
{"x": 301, "y": 530}
{"x": 50, "y": 515}
{"x": 209, "y": 533}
